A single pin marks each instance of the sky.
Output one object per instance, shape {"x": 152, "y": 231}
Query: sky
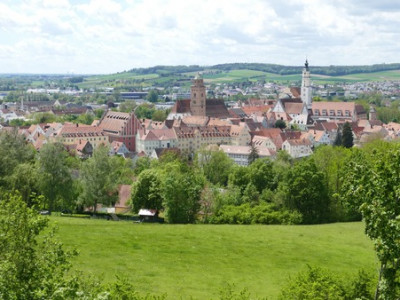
{"x": 108, "y": 36}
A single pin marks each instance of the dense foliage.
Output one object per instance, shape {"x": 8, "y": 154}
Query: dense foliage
{"x": 372, "y": 186}
{"x": 320, "y": 284}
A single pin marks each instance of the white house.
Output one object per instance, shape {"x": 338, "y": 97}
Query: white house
{"x": 240, "y": 154}
{"x": 298, "y": 147}
{"x": 118, "y": 148}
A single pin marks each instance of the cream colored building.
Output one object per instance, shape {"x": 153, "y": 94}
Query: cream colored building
{"x": 149, "y": 140}
{"x": 192, "y": 139}
{"x": 298, "y": 147}
{"x": 72, "y": 133}
{"x": 240, "y": 134}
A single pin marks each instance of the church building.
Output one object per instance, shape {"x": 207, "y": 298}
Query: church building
{"x": 296, "y": 110}
{"x": 198, "y": 104}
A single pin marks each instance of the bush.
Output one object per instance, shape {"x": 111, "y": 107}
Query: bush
{"x": 264, "y": 213}
{"x": 319, "y": 284}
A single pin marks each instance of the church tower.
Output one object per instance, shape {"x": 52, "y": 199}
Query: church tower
{"x": 372, "y": 113}
{"x": 306, "y": 90}
{"x": 198, "y": 97}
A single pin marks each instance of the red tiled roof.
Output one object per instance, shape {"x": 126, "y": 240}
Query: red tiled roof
{"x": 293, "y": 108}
{"x": 215, "y": 108}
{"x": 257, "y": 110}
{"x": 114, "y": 122}
{"x": 296, "y": 92}
{"x": 181, "y": 107}
{"x": 80, "y": 130}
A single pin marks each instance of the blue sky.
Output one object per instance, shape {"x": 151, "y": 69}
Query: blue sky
{"x": 106, "y": 36}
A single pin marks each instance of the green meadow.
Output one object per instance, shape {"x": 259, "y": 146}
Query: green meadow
{"x": 199, "y": 260}
{"x": 240, "y": 75}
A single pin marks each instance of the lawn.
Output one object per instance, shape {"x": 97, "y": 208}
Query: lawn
{"x": 198, "y": 260}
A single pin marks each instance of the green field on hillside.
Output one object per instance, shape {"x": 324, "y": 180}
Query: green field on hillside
{"x": 240, "y": 75}
{"x": 198, "y": 260}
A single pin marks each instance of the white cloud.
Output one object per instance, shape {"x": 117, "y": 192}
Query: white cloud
{"x": 109, "y": 35}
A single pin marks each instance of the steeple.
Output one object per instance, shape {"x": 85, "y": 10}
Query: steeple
{"x": 306, "y": 90}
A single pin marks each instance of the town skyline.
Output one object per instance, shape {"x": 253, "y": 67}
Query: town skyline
{"x": 99, "y": 37}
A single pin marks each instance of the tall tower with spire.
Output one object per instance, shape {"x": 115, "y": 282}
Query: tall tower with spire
{"x": 306, "y": 89}
{"x": 198, "y": 97}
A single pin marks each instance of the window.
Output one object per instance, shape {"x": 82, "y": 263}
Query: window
{"x": 316, "y": 112}
{"x": 324, "y": 113}
{"x": 331, "y": 112}
{"x": 347, "y": 112}
{"x": 339, "y": 113}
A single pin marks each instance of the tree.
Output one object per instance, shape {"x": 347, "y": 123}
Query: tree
{"x": 159, "y": 115}
{"x": 347, "y": 136}
{"x": 85, "y": 119}
{"x": 32, "y": 265}
{"x": 54, "y": 177}
{"x": 141, "y": 164}
{"x": 181, "y": 190}
{"x": 253, "y": 154}
{"x": 372, "y": 185}
{"x": 145, "y": 111}
{"x": 146, "y": 191}
{"x": 98, "y": 180}
{"x": 306, "y": 192}
{"x": 261, "y": 174}
{"x": 216, "y": 166}
{"x": 239, "y": 177}
{"x": 331, "y": 161}
{"x": 338, "y": 139}
{"x": 152, "y": 96}
{"x": 280, "y": 124}
{"x": 127, "y": 106}
{"x": 14, "y": 150}
{"x": 24, "y": 180}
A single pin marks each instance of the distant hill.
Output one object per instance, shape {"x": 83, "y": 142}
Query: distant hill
{"x": 269, "y": 68}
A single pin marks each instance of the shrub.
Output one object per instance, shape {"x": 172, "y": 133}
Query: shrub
{"x": 264, "y": 213}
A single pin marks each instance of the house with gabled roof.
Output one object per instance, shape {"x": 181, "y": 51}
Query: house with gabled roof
{"x": 73, "y": 133}
{"x": 240, "y": 134}
{"x": 81, "y": 148}
{"x": 343, "y": 111}
{"x": 264, "y": 142}
{"x": 297, "y": 148}
{"x": 121, "y": 127}
{"x": 118, "y": 148}
{"x": 148, "y": 140}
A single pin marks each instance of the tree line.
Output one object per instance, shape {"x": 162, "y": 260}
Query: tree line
{"x": 270, "y": 68}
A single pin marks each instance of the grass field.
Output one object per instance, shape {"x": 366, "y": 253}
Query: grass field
{"x": 237, "y": 76}
{"x": 198, "y": 260}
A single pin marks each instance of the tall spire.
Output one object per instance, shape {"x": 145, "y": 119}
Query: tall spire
{"x": 306, "y": 89}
